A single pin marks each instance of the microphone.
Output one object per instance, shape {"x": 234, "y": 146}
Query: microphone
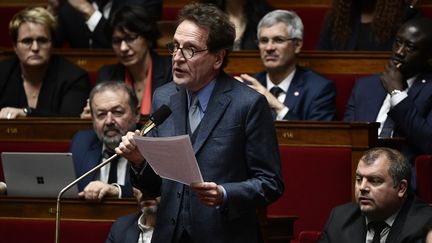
{"x": 157, "y": 118}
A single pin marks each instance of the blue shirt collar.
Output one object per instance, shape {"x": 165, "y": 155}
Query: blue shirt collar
{"x": 203, "y": 95}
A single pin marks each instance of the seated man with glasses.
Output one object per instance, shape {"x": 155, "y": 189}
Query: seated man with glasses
{"x": 293, "y": 92}
{"x": 35, "y": 82}
{"x": 134, "y": 35}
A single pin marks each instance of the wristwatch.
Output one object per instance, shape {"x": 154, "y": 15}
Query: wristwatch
{"x": 27, "y": 110}
{"x": 395, "y": 91}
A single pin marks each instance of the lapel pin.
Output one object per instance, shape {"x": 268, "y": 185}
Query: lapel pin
{"x": 296, "y": 93}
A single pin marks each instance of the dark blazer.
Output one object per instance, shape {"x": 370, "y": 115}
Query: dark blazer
{"x": 347, "y": 224}
{"x": 64, "y": 91}
{"x": 161, "y": 73}
{"x": 72, "y": 27}
{"x": 310, "y": 96}
{"x": 412, "y": 116}
{"x": 86, "y": 149}
{"x": 235, "y": 147}
{"x": 125, "y": 229}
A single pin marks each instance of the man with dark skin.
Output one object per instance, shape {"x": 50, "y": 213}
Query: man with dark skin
{"x": 402, "y": 93}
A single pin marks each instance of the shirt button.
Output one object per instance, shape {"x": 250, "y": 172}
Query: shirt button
{"x": 178, "y": 194}
{"x": 172, "y": 221}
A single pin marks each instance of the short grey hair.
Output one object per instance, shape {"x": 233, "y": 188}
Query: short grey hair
{"x": 290, "y": 18}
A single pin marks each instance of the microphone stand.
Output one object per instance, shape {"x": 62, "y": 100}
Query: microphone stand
{"x": 57, "y": 222}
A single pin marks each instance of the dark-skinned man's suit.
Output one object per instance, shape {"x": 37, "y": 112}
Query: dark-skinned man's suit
{"x": 347, "y": 224}
{"x": 412, "y": 116}
{"x": 236, "y": 148}
{"x": 309, "y": 97}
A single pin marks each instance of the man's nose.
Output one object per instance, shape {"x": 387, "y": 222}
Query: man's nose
{"x": 109, "y": 118}
{"x": 400, "y": 50}
{"x": 363, "y": 185}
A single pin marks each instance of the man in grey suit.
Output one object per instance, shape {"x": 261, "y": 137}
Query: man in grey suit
{"x": 386, "y": 209}
{"x": 234, "y": 142}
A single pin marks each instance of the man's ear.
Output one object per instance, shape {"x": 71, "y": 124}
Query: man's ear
{"x": 402, "y": 188}
{"x": 298, "y": 44}
{"x": 219, "y": 59}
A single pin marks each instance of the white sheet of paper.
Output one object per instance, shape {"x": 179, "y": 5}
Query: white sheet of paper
{"x": 171, "y": 157}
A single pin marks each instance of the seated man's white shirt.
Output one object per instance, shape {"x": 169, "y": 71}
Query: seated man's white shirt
{"x": 284, "y": 85}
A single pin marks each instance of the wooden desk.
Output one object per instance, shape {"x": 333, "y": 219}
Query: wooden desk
{"x": 71, "y": 209}
{"x": 358, "y": 136}
{"x": 344, "y": 63}
{"x": 41, "y": 129}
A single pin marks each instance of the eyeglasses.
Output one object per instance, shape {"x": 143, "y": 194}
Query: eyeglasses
{"x": 129, "y": 39}
{"x": 187, "y": 52}
{"x": 41, "y": 41}
{"x": 408, "y": 46}
{"x": 278, "y": 40}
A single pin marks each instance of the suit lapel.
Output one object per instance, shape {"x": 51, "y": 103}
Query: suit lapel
{"x": 133, "y": 232}
{"x": 417, "y": 86}
{"x": 357, "y": 231}
{"x": 91, "y": 158}
{"x": 295, "y": 89}
{"x": 216, "y": 108}
{"x": 374, "y": 101}
{"x": 178, "y": 104}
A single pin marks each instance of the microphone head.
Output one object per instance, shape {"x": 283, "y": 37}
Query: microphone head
{"x": 160, "y": 115}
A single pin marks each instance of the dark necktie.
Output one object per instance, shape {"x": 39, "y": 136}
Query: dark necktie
{"x": 387, "y": 129}
{"x": 112, "y": 177}
{"x": 276, "y": 91}
{"x": 101, "y": 4}
{"x": 378, "y": 227}
{"x": 194, "y": 113}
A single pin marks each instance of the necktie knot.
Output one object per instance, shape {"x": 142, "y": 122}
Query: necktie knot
{"x": 378, "y": 227}
{"x": 107, "y": 154}
{"x": 276, "y": 91}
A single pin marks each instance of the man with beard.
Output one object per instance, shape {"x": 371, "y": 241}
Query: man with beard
{"x": 401, "y": 97}
{"x": 136, "y": 227}
{"x": 114, "y": 110}
{"x": 293, "y": 92}
{"x": 386, "y": 209}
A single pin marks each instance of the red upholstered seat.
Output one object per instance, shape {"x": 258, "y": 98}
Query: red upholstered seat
{"x": 316, "y": 180}
{"x": 42, "y": 231}
{"x": 344, "y": 84}
{"x": 313, "y": 18}
{"x": 423, "y": 165}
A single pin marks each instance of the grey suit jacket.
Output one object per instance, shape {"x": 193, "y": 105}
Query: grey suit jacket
{"x": 235, "y": 147}
{"x": 347, "y": 224}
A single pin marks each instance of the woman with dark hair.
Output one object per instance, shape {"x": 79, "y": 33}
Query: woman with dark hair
{"x": 245, "y": 15}
{"x": 133, "y": 35}
{"x": 363, "y": 25}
